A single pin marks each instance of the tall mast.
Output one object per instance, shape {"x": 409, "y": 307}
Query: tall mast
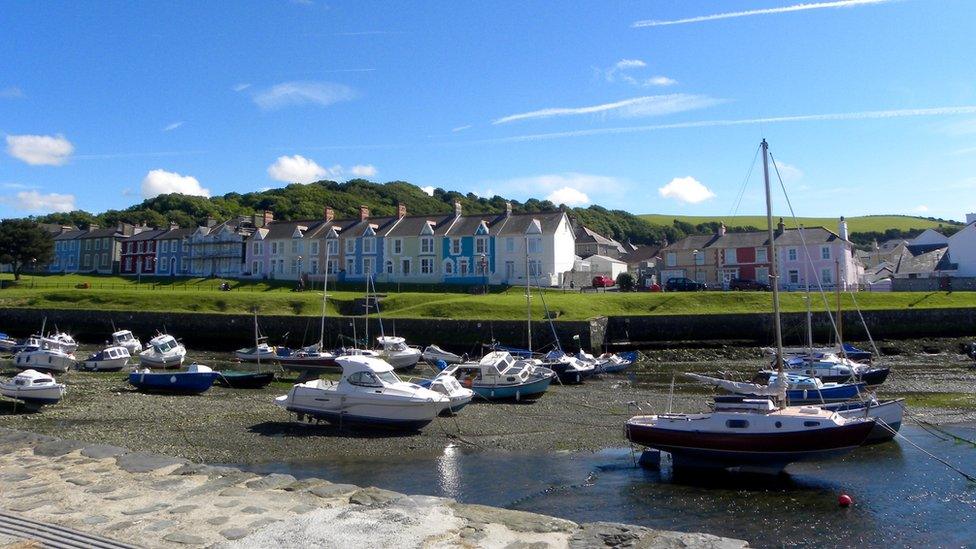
{"x": 325, "y": 293}
{"x": 774, "y": 274}
{"x": 257, "y": 338}
{"x": 528, "y": 298}
{"x": 840, "y": 312}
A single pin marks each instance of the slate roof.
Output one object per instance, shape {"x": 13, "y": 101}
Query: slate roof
{"x": 145, "y": 235}
{"x": 642, "y": 253}
{"x": 69, "y": 235}
{"x": 176, "y": 233}
{"x": 922, "y": 259}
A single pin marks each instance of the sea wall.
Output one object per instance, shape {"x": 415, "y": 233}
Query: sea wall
{"x": 225, "y": 331}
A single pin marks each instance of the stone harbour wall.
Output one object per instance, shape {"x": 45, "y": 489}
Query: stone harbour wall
{"x": 159, "y": 501}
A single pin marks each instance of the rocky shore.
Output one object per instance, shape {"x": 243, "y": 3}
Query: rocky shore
{"x": 160, "y": 501}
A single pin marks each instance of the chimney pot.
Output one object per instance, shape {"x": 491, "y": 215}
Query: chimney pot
{"x": 457, "y": 208}
{"x": 508, "y": 209}
{"x": 329, "y": 214}
{"x": 401, "y": 210}
{"x": 721, "y": 229}
{"x": 363, "y": 213}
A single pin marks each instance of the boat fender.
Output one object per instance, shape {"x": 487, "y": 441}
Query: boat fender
{"x": 518, "y": 395}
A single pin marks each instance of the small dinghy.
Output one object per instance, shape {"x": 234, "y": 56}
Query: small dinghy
{"x": 109, "y": 359}
{"x": 368, "y": 394}
{"x": 450, "y": 387}
{"x": 433, "y": 353}
{"x": 33, "y": 387}
{"x": 196, "y": 379}
{"x": 124, "y": 338}
{"x": 241, "y": 379}
{"x": 262, "y": 352}
{"x": 163, "y": 351}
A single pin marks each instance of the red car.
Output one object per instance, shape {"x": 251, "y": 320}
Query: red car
{"x": 602, "y": 281}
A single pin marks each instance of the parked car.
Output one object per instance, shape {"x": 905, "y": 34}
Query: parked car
{"x": 684, "y": 284}
{"x": 748, "y": 284}
{"x": 602, "y": 281}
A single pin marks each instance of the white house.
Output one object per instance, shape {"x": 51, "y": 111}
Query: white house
{"x": 962, "y": 248}
{"x": 609, "y": 265}
{"x": 929, "y": 237}
{"x": 550, "y": 243}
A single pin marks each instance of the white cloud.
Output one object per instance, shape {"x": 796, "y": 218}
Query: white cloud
{"x": 767, "y": 11}
{"x": 173, "y": 126}
{"x": 288, "y": 94}
{"x": 922, "y": 208}
{"x": 653, "y": 105}
{"x": 241, "y": 87}
{"x": 296, "y": 169}
{"x": 363, "y": 170}
{"x": 686, "y": 189}
{"x": 788, "y": 172}
{"x": 40, "y": 150}
{"x": 660, "y": 81}
{"x": 12, "y": 92}
{"x": 429, "y": 189}
{"x": 33, "y": 201}
{"x": 461, "y": 128}
{"x": 159, "y": 182}
{"x": 568, "y": 196}
{"x": 625, "y": 64}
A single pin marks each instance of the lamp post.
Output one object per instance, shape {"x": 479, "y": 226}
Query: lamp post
{"x": 483, "y": 261}
{"x": 695, "y": 253}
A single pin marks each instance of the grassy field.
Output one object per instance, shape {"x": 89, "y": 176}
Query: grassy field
{"x": 866, "y": 223}
{"x": 118, "y": 293}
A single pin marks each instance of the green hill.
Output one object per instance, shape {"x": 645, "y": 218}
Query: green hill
{"x": 858, "y": 224}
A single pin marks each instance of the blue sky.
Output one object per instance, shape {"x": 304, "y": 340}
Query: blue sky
{"x": 651, "y": 107}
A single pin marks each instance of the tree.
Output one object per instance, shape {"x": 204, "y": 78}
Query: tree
{"x": 24, "y": 243}
{"x": 625, "y": 281}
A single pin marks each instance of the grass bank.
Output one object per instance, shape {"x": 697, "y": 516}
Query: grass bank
{"x": 502, "y": 304}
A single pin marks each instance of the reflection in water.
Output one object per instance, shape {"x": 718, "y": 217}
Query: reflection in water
{"x": 450, "y": 472}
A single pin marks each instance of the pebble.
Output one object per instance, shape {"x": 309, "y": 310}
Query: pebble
{"x": 102, "y": 451}
{"x": 79, "y": 481}
{"x": 185, "y": 539}
{"x": 226, "y": 504}
{"x": 142, "y": 462}
{"x": 303, "y": 508}
{"x": 145, "y": 510}
{"x": 234, "y": 533}
{"x": 333, "y": 490}
{"x": 182, "y": 509}
{"x": 251, "y": 510}
{"x": 233, "y": 492}
{"x": 217, "y": 521}
{"x": 121, "y": 525}
{"x": 101, "y": 489}
{"x": 261, "y": 523}
{"x": 161, "y": 525}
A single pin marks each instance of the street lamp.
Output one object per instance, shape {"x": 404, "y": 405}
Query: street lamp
{"x": 483, "y": 261}
{"x": 695, "y": 253}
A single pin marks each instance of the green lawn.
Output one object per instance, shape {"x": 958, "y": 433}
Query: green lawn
{"x": 857, "y": 224}
{"x": 118, "y": 293}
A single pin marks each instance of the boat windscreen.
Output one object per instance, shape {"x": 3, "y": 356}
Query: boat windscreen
{"x": 388, "y": 377}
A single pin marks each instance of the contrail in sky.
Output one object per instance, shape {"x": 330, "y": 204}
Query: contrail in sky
{"x": 767, "y": 11}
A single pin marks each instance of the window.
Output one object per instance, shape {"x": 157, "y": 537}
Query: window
{"x": 455, "y": 246}
{"x": 481, "y": 245}
{"x": 368, "y": 266}
{"x": 256, "y": 248}
{"x": 791, "y": 254}
{"x": 128, "y": 264}
{"x": 333, "y": 266}
{"x": 794, "y": 276}
{"x": 699, "y": 257}
{"x": 332, "y": 247}
{"x": 87, "y": 261}
{"x": 389, "y": 267}
{"x": 369, "y": 244}
{"x": 762, "y": 274}
{"x": 350, "y": 265}
{"x": 811, "y": 424}
{"x": 535, "y": 268}
{"x": 275, "y": 249}
{"x": 104, "y": 260}
{"x": 88, "y": 245}
{"x": 535, "y": 245}
{"x": 509, "y": 244}
{"x": 736, "y": 423}
{"x": 448, "y": 267}
{"x": 397, "y": 246}
{"x": 405, "y": 266}
{"x": 825, "y": 252}
{"x": 827, "y": 276}
{"x": 314, "y": 266}
{"x": 730, "y": 256}
{"x": 164, "y": 246}
{"x": 296, "y": 246}
{"x": 464, "y": 269}
{"x": 350, "y": 246}
{"x": 426, "y": 266}
{"x": 294, "y": 266}
{"x": 364, "y": 379}
{"x": 255, "y": 267}
{"x": 313, "y": 248}
{"x": 98, "y": 244}
{"x": 672, "y": 259}
{"x": 762, "y": 255}
{"x": 509, "y": 270}
{"x": 426, "y": 245}
{"x": 142, "y": 246}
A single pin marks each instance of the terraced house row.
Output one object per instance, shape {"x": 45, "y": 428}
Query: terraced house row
{"x": 502, "y": 248}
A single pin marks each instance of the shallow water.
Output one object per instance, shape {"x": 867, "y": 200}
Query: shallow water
{"x": 901, "y": 496}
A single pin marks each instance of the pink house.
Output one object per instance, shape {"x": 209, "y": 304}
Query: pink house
{"x": 816, "y": 255}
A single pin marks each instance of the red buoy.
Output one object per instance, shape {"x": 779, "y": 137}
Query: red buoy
{"x": 844, "y": 500}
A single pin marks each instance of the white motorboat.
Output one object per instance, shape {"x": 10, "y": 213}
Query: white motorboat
{"x": 500, "y": 376}
{"x": 7, "y": 343}
{"x": 262, "y": 352}
{"x": 67, "y": 342}
{"x": 450, "y": 387}
{"x": 30, "y": 343}
{"x": 109, "y": 359}
{"x": 51, "y": 357}
{"x": 569, "y": 368}
{"x": 888, "y": 415}
{"x": 124, "y": 338}
{"x": 395, "y": 350}
{"x": 33, "y": 387}
{"x": 433, "y": 353}
{"x": 163, "y": 351}
{"x": 368, "y": 393}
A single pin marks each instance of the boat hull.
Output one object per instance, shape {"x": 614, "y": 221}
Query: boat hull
{"x": 41, "y": 361}
{"x": 887, "y": 412}
{"x": 184, "y": 383}
{"x": 243, "y": 380}
{"x": 36, "y": 396}
{"x": 343, "y": 410}
{"x": 110, "y": 365}
{"x": 154, "y": 361}
{"x": 530, "y": 390}
{"x": 758, "y": 452}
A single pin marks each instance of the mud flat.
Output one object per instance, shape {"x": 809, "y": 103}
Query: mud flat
{"x": 160, "y": 501}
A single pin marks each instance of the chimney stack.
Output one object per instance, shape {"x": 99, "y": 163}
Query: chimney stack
{"x": 508, "y": 209}
{"x": 329, "y": 214}
{"x": 842, "y": 228}
{"x": 268, "y": 217}
{"x": 401, "y": 210}
{"x": 173, "y": 226}
{"x": 970, "y": 218}
{"x": 780, "y": 227}
{"x": 363, "y": 213}
{"x": 457, "y": 208}
{"x": 211, "y": 221}
{"x": 721, "y": 229}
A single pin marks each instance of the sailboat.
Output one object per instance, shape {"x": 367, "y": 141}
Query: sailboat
{"x": 313, "y": 357}
{"x": 260, "y": 351}
{"x": 393, "y": 349}
{"x": 752, "y": 434}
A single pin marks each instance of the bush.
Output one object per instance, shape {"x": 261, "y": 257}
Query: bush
{"x": 625, "y": 281}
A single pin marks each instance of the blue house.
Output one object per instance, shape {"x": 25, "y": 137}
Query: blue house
{"x": 468, "y": 250}
{"x": 172, "y": 252}
{"x": 67, "y": 252}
